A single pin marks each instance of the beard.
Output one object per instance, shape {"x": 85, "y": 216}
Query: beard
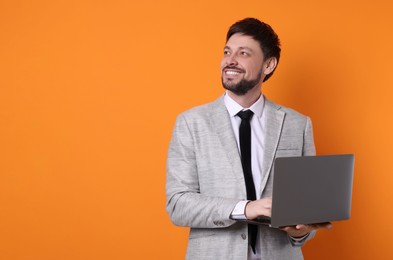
{"x": 243, "y": 86}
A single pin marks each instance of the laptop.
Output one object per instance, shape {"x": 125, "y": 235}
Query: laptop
{"x": 310, "y": 189}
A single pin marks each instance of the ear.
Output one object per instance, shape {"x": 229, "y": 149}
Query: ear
{"x": 269, "y": 65}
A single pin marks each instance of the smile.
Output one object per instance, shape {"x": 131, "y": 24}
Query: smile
{"x": 232, "y": 72}
{"x": 229, "y": 72}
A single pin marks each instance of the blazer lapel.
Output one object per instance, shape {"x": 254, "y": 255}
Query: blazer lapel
{"x": 222, "y": 125}
{"x": 274, "y": 119}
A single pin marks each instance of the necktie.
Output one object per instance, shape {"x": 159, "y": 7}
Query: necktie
{"x": 245, "y": 150}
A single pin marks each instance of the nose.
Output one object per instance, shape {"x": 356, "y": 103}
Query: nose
{"x": 231, "y": 61}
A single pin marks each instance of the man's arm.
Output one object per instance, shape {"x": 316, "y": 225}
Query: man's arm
{"x": 299, "y": 234}
{"x": 185, "y": 204}
{"x": 309, "y": 146}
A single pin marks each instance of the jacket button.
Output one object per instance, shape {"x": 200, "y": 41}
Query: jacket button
{"x": 244, "y": 236}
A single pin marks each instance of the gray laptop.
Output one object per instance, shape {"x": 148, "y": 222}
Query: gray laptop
{"x": 310, "y": 189}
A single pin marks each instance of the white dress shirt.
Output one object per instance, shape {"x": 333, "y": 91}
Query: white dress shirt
{"x": 257, "y": 148}
{"x": 257, "y": 134}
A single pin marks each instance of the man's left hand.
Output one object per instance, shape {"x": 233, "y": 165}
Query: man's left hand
{"x": 302, "y": 230}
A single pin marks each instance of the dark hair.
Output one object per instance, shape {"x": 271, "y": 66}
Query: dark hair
{"x": 261, "y": 32}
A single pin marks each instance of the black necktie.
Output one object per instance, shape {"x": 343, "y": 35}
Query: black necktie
{"x": 245, "y": 150}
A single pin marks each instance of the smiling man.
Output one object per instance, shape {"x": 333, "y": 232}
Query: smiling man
{"x": 219, "y": 167}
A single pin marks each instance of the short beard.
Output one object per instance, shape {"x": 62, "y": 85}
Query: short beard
{"x": 243, "y": 86}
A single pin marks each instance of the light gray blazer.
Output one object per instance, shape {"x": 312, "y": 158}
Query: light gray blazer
{"x": 205, "y": 179}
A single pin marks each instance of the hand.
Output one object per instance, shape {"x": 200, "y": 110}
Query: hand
{"x": 302, "y": 230}
{"x": 256, "y": 208}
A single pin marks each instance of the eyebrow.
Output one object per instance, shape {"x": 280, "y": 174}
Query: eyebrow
{"x": 240, "y": 48}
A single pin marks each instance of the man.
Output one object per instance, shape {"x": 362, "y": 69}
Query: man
{"x": 219, "y": 168}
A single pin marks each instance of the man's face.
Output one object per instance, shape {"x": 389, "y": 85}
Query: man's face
{"x": 241, "y": 66}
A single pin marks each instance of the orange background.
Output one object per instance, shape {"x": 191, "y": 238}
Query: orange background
{"x": 89, "y": 91}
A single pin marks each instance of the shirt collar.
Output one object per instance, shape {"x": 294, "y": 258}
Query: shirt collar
{"x": 233, "y": 107}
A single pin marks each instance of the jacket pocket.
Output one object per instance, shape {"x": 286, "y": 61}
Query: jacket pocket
{"x": 290, "y": 143}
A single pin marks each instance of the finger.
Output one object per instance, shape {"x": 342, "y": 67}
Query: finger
{"x": 288, "y": 228}
{"x": 311, "y": 227}
{"x": 267, "y": 202}
{"x": 326, "y": 225}
{"x": 285, "y": 228}
{"x": 301, "y": 226}
{"x": 321, "y": 225}
{"x": 267, "y": 206}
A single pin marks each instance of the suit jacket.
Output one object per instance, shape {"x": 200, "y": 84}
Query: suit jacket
{"x": 205, "y": 179}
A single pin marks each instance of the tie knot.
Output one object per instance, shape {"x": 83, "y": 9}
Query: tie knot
{"x": 245, "y": 114}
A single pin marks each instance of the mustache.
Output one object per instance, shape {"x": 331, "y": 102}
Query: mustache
{"x": 233, "y": 68}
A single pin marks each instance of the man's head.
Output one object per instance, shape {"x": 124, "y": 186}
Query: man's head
{"x": 251, "y": 54}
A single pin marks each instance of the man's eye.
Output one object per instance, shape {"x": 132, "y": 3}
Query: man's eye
{"x": 226, "y": 53}
{"x": 243, "y": 53}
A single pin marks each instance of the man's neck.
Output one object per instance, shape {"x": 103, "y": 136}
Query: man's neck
{"x": 248, "y": 99}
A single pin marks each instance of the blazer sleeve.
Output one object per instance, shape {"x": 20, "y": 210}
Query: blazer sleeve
{"x": 185, "y": 204}
{"x": 308, "y": 142}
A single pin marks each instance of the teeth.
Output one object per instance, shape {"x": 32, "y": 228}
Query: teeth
{"x": 232, "y": 72}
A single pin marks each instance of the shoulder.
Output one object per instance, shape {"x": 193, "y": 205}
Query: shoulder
{"x": 289, "y": 112}
{"x": 292, "y": 119}
{"x": 204, "y": 118}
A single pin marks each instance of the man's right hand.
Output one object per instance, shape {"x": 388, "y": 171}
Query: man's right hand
{"x": 256, "y": 208}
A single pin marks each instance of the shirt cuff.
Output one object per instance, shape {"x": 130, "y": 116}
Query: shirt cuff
{"x": 238, "y": 212}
